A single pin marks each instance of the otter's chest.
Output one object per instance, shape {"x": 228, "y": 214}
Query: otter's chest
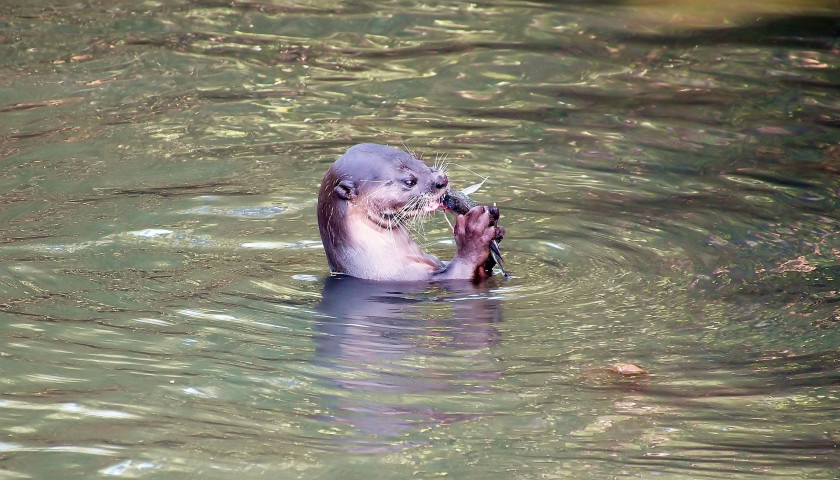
{"x": 389, "y": 254}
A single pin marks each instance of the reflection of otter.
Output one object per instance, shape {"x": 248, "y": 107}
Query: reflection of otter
{"x": 366, "y": 197}
{"x": 383, "y": 353}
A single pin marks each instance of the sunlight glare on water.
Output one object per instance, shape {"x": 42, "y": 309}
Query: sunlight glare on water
{"x": 668, "y": 178}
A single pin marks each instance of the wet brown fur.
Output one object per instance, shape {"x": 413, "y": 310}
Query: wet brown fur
{"x": 363, "y": 204}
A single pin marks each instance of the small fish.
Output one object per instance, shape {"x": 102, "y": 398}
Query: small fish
{"x": 460, "y": 203}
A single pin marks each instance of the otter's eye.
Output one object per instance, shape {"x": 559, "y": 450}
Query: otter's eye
{"x": 410, "y": 182}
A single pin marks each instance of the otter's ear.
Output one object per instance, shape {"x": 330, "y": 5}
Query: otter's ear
{"x": 346, "y": 190}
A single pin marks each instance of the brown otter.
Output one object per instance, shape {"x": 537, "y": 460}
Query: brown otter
{"x": 366, "y": 197}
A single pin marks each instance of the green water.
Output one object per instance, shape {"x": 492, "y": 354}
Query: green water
{"x": 668, "y": 178}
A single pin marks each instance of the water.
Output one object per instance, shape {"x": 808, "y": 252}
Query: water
{"x": 668, "y": 180}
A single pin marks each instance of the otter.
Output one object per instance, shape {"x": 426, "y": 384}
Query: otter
{"x": 365, "y": 199}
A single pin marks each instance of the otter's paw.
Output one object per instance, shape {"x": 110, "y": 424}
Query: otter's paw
{"x": 500, "y": 231}
{"x": 473, "y": 233}
{"x": 490, "y": 261}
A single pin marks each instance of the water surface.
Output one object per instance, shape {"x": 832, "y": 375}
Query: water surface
{"x": 669, "y": 183}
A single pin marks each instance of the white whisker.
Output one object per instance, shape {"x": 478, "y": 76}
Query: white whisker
{"x": 467, "y": 169}
{"x": 440, "y": 162}
{"x": 408, "y": 149}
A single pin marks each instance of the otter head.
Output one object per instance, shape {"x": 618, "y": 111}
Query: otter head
{"x": 380, "y": 185}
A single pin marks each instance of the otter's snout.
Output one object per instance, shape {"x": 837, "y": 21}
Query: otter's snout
{"x": 440, "y": 180}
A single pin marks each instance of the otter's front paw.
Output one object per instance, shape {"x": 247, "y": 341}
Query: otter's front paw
{"x": 494, "y": 215}
{"x": 474, "y": 231}
{"x": 490, "y": 262}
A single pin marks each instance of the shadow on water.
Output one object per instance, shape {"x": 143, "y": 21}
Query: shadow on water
{"x": 383, "y": 354}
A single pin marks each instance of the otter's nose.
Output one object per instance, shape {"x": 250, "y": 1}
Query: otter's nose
{"x": 441, "y": 181}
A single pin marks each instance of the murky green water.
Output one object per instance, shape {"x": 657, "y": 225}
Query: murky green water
{"x": 669, "y": 183}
